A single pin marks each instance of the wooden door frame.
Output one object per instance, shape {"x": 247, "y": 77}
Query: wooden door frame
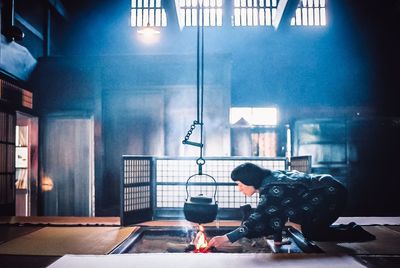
{"x": 71, "y": 115}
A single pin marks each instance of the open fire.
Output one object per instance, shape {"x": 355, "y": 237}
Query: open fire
{"x": 200, "y": 241}
{"x": 180, "y": 240}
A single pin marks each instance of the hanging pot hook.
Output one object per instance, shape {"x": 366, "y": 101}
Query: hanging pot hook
{"x": 200, "y": 162}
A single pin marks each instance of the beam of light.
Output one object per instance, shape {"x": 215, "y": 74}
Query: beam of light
{"x": 148, "y": 34}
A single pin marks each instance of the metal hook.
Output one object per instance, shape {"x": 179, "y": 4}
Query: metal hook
{"x": 200, "y": 162}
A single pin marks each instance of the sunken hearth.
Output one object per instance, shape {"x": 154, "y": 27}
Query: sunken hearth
{"x": 180, "y": 240}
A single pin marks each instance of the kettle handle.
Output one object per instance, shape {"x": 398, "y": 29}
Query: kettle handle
{"x": 187, "y": 183}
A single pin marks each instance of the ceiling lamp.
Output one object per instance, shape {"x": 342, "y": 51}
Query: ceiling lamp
{"x": 148, "y": 30}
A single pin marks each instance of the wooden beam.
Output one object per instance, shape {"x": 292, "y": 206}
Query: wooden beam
{"x": 285, "y": 12}
{"x": 28, "y": 26}
{"x": 59, "y": 7}
{"x": 180, "y": 21}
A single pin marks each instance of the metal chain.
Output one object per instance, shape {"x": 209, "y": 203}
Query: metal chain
{"x": 200, "y": 90}
{"x": 190, "y": 131}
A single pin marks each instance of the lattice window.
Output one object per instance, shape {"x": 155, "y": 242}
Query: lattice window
{"x": 136, "y": 198}
{"x": 172, "y": 175}
{"x": 148, "y": 13}
{"x": 137, "y": 192}
{"x": 254, "y": 12}
{"x": 188, "y": 10}
{"x": 310, "y": 13}
{"x": 262, "y": 13}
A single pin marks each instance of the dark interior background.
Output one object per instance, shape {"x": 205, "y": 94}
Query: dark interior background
{"x": 346, "y": 71}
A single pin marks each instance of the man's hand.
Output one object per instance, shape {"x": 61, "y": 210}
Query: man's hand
{"x": 284, "y": 241}
{"x": 217, "y": 241}
{"x": 294, "y": 225}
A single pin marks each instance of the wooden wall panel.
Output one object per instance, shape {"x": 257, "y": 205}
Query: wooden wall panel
{"x": 133, "y": 124}
{"x": 67, "y": 166}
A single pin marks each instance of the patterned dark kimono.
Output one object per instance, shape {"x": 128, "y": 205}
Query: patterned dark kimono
{"x": 314, "y": 201}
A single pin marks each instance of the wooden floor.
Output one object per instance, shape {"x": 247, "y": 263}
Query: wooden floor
{"x": 384, "y": 252}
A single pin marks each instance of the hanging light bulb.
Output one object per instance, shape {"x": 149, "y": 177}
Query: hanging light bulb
{"x": 149, "y": 34}
{"x": 148, "y": 30}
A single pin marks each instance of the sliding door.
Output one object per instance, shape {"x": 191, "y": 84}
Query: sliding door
{"x": 7, "y": 162}
{"x": 67, "y": 161}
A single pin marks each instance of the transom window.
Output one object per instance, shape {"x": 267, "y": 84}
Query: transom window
{"x": 148, "y": 13}
{"x": 310, "y": 13}
{"x": 212, "y": 12}
{"x": 245, "y": 13}
{"x": 254, "y": 12}
{"x": 262, "y": 13}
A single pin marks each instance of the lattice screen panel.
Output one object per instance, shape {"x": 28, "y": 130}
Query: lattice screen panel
{"x": 172, "y": 174}
{"x": 301, "y": 163}
{"x": 136, "y": 185}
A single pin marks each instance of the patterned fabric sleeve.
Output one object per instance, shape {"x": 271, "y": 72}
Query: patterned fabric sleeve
{"x": 283, "y": 196}
{"x": 255, "y": 225}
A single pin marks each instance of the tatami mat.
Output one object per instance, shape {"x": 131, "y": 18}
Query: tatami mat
{"x": 58, "y": 241}
{"x": 9, "y": 232}
{"x": 61, "y": 220}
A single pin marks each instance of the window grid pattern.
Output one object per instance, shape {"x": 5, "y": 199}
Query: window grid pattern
{"x": 301, "y": 163}
{"x": 173, "y": 174}
{"x": 137, "y": 178}
{"x": 148, "y": 13}
{"x": 254, "y": 12}
{"x": 310, "y": 13}
{"x": 262, "y": 13}
{"x": 136, "y": 198}
{"x": 212, "y": 12}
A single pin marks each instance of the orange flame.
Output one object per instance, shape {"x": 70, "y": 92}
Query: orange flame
{"x": 200, "y": 241}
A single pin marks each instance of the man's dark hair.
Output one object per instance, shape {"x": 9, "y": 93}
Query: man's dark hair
{"x": 249, "y": 174}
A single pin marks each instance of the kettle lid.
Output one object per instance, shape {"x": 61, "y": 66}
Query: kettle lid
{"x": 201, "y": 199}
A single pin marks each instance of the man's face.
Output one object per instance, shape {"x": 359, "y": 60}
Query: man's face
{"x": 246, "y": 189}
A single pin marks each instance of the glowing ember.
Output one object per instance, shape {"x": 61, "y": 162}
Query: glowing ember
{"x": 200, "y": 241}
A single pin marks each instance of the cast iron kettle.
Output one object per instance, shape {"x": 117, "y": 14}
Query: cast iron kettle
{"x": 200, "y": 209}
